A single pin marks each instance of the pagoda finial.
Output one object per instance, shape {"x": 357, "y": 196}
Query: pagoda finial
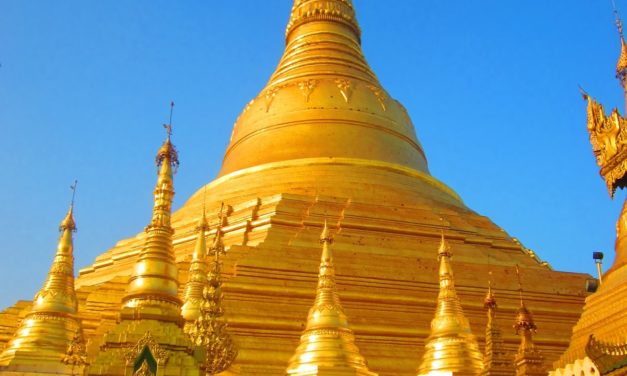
{"x": 621, "y": 65}
{"x": 340, "y": 12}
{"x": 48, "y": 329}
{"x": 528, "y": 360}
{"x": 327, "y": 344}
{"x": 153, "y": 285}
{"x": 197, "y": 279}
{"x": 167, "y": 150}
{"x": 451, "y": 346}
{"x": 210, "y": 331}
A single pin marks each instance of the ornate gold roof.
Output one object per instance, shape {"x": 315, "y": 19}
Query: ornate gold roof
{"x": 327, "y": 344}
{"x": 451, "y": 346}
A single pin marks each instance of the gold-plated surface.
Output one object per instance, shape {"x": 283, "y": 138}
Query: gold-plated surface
{"x": 197, "y": 277}
{"x": 451, "y": 346}
{"x": 210, "y": 331}
{"x": 46, "y": 332}
{"x": 496, "y": 360}
{"x": 327, "y": 345}
{"x": 325, "y": 140}
{"x": 323, "y": 100}
{"x": 150, "y": 330}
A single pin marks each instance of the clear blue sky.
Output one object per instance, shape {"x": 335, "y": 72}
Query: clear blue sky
{"x": 491, "y": 87}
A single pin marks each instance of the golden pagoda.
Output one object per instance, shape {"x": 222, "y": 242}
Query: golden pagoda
{"x": 149, "y": 336}
{"x": 451, "y": 346}
{"x": 327, "y": 345}
{"x": 496, "y": 361}
{"x": 323, "y": 139}
{"x": 40, "y": 344}
{"x": 599, "y": 339}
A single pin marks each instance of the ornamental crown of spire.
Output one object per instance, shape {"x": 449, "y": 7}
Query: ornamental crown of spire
{"x": 341, "y": 11}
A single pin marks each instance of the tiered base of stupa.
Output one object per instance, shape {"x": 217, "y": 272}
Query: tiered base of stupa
{"x": 389, "y": 219}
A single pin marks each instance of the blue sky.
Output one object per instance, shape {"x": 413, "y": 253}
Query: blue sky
{"x": 491, "y": 87}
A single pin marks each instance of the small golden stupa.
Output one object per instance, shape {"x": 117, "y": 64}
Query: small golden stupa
{"x": 451, "y": 346}
{"x": 327, "y": 346}
{"x": 52, "y": 325}
{"x": 323, "y": 139}
{"x": 149, "y": 337}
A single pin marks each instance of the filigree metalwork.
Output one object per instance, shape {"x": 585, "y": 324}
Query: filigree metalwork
{"x": 306, "y": 87}
{"x": 160, "y": 354}
{"x": 210, "y": 331}
{"x": 608, "y": 136}
{"x": 76, "y": 353}
{"x": 346, "y": 88}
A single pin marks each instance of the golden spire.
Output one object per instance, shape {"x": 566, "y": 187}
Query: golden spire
{"x": 621, "y": 65}
{"x": 495, "y": 361}
{"x": 197, "y": 279}
{"x": 528, "y": 360}
{"x": 49, "y": 328}
{"x": 209, "y": 331}
{"x": 327, "y": 344}
{"x": 153, "y": 287}
{"x": 451, "y": 346}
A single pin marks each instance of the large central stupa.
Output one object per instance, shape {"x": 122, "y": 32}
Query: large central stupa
{"x": 324, "y": 140}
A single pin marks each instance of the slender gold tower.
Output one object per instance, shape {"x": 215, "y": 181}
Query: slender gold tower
{"x": 327, "y": 346}
{"x": 197, "y": 279}
{"x": 495, "y": 360}
{"x": 528, "y": 360}
{"x": 451, "y": 347}
{"x": 41, "y": 342}
{"x": 150, "y": 329}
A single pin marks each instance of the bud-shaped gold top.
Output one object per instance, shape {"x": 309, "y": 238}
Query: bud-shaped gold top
{"x": 327, "y": 342}
{"x": 451, "y": 346}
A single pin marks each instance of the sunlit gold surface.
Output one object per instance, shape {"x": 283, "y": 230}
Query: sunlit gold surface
{"x": 327, "y": 346}
{"x": 46, "y": 332}
{"x": 496, "y": 361}
{"x": 151, "y": 309}
{"x": 325, "y": 140}
{"x": 451, "y": 346}
{"x": 323, "y": 100}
